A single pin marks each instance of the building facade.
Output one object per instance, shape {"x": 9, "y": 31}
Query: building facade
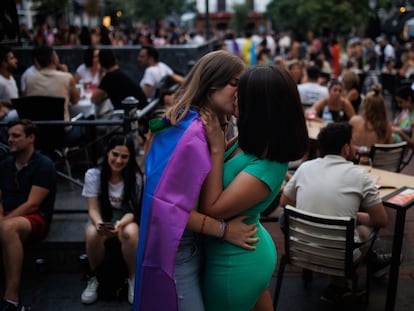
{"x": 221, "y": 12}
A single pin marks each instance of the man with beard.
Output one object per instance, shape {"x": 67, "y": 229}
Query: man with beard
{"x": 8, "y": 87}
{"x": 27, "y": 188}
{"x": 333, "y": 186}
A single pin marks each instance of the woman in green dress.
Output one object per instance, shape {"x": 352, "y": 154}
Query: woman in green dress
{"x": 272, "y": 132}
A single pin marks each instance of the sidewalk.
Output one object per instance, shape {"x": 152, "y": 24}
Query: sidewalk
{"x": 63, "y": 286}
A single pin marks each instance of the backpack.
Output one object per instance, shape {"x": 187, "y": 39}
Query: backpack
{"x": 112, "y": 274}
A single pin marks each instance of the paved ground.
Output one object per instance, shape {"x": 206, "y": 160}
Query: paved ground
{"x": 61, "y": 290}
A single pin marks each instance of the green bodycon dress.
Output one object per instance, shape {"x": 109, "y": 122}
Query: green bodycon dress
{"x": 234, "y": 277}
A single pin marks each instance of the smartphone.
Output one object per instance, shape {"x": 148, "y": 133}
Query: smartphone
{"x": 107, "y": 225}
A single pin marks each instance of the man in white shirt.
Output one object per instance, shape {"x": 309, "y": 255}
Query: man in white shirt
{"x": 311, "y": 91}
{"x": 8, "y": 87}
{"x": 155, "y": 71}
{"x": 334, "y": 186}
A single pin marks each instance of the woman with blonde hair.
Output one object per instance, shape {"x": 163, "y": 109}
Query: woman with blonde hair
{"x": 372, "y": 126}
{"x": 351, "y": 91}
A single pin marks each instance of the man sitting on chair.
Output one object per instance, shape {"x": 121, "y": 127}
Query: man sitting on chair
{"x": 334, "y": 186}
{"x": 28, "y": 187}
{"x": 52, "y": 79}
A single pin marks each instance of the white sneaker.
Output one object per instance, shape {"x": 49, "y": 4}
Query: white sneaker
{"x": 90, "y": 293}
{"x": 131, "y": 284}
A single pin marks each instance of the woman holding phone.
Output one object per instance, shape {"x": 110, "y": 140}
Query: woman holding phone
{"x": 113, "y": 193}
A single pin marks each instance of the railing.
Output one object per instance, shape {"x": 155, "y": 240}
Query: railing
{"x": 128, "y": 121}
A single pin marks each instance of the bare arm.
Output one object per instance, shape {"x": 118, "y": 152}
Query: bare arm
{"x": 99, "y": 96}
{"x": 375, "y": 216}
{"x": 148, "y": 89}
{"x": 284, "y": 200}
{"x": 352, "y": 95}
{"x": 318, "y": 106}
{"x": 348, "y": 108}
{"x": 400, "y": 131}
{"x": 237, "y": 232}
{"x": 94, "y": 214}
{"x": 36, "y": 197}
{"x": 243, "y": 192}
{"x": 74, "y": 95}
{"x": 177, "y": 78}
{"x": 93, "y": 211}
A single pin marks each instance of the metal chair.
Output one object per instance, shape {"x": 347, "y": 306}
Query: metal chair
{"x": 319, "y": 243}
{"x": 388, "y": 156}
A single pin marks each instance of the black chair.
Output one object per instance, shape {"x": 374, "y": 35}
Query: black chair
{"x": 389, "y": 156}
{"x": 50, "y": 140}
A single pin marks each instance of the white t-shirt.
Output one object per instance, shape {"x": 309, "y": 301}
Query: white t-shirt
{"x": 27, "y": 72}
{"x": 8, "y": 88}
{"x": 86, "y": 75}
{"x": 311, "y": 92}
{"x": 153, "y": 76}
{"x": 332, "y": 186}
{"x": 92, "y": 186}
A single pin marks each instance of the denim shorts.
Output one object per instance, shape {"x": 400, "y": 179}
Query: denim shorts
{"x": 187, "y": 273}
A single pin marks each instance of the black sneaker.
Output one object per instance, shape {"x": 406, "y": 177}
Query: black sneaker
{"x": 380, "y": 263}
{"x": 7, "y": 306}
{"x": 334, "y": 294}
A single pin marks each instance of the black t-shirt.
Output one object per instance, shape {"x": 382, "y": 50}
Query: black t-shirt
{"x": 119, "y": 85}
{"x": 16, "y": 185}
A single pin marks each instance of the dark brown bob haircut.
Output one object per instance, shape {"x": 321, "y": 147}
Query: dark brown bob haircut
{"x": 271, "y": 121}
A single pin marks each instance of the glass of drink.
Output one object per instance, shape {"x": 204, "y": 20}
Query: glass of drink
{"x": 364, "y": 158}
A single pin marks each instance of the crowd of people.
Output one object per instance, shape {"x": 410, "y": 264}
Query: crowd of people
{"x": 189, "y": 224}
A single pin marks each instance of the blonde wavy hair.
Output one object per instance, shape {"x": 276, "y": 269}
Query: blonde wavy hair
{"x": 375, "y": 114}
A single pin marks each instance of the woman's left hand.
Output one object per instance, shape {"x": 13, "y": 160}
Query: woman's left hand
{"x": 241, "y": 234}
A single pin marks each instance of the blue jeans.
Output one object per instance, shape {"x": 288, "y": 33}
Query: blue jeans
{"x": 187, "y": 274}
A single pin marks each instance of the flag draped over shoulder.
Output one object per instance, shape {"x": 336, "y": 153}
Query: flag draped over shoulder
{"x": 177, "y": 163}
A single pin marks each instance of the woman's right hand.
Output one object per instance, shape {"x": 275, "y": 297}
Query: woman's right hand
{"x": 215, "y": 134}
{"x": 241, "y": 234}
{"x": 99, "y": 227}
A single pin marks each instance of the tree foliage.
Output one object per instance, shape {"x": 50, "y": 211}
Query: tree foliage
{"x": 50, "y": 7}
{"x": 134, "y": 10}
{"x": 239, "y": 18}
{"x": 150, "y": 10}
{"x": 318, "y": 16}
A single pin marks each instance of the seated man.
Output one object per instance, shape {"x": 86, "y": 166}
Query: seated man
{"x": 52, "y": 79}
{"x": 334, "y": 186}
{"x": 116, "y": 84}
{"x": 155, "y": 72}
{"x": 311, "y": 91}
{"x": 28, "y": 187}
{"x": 8, "y": 88}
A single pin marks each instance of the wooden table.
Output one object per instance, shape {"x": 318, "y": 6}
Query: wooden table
{"x": 398, "y": 180}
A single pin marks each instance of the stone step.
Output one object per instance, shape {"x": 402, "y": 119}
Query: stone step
{"x": 63, "y": 246}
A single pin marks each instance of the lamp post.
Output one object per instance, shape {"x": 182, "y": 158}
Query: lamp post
{"x": 207, "y": 20}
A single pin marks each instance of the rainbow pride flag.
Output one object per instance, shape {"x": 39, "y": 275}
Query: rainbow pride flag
{"x": 177, "y": 163}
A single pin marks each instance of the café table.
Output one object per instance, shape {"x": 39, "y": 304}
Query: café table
{"x": 388, "y": 182}
{"x": 89, "y": 109}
